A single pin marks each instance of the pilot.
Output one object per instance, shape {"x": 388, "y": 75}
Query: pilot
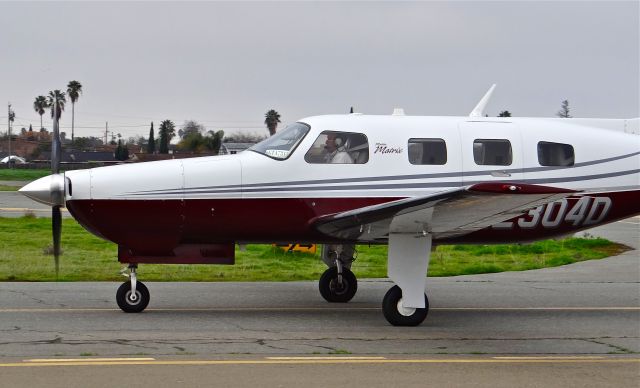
{"x": 335, "y": 151}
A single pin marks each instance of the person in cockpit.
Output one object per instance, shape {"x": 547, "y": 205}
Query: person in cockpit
{"x": 335, "y": 151}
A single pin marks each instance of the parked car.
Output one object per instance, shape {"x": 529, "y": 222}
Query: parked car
{"x": 14, "y": 160}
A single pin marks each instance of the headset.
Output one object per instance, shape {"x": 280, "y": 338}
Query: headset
{"x": 339, "y": 141}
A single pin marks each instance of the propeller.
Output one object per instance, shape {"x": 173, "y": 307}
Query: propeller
{"x": 57, "y": 196}
{"x": 50, "y": 190}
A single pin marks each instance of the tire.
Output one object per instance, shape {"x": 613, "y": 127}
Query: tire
{"x": 395, "y": 317}
{"x": 124, "y": 301}
{"x": 331, "y": 290}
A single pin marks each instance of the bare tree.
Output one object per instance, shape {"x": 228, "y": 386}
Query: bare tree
{"x": 564, "y": 111}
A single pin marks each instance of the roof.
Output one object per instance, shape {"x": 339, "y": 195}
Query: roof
{"x": 83, "y": 156}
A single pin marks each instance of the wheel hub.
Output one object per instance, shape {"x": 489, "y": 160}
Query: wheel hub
{"x": 337, "y": 287}
{"x": 405, "y": 311}
{"x": 133, "y": 298}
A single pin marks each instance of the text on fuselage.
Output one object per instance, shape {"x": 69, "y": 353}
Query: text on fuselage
{"x": 585, "y": 211}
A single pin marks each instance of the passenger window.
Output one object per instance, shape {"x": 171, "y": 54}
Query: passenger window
{"x": 427, "y": 151}
{"x": 555, "y": 154}
{"x": 339, "y": 148}
{"x": 492, "y": 152}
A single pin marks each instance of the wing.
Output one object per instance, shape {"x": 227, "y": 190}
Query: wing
{"x": 446, "y": 214}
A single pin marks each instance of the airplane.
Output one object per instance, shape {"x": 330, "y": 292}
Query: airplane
{"x": 411, "y": 182}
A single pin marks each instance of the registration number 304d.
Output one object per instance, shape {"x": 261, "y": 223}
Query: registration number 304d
{"x": 585, "y": 211}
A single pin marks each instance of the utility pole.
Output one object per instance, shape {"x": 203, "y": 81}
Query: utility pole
{"x": 106, "y": 131}
{"x": 9, "y": 130}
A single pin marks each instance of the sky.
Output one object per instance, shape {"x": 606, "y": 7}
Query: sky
{"x": 224, "y": 64}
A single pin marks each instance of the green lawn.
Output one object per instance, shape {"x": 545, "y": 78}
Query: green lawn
{"x": 22, "y": 174}
{"x": 23, "y": 242}
{"x": 9, "y": 188}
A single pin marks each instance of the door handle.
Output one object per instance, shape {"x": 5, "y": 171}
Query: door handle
{"x": 500, "y": 174}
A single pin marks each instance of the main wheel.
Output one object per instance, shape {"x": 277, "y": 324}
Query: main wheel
{"x": 334, "y": 292}
{"x": 134, "y": 304}
{"x": 397, "y": 314}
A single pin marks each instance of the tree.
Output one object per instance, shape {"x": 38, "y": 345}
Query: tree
{"x": 505, "y": 113}
{"x": 151, "y": 145}
{"x": 213, "y": 141}
{"x": 272, "y": 118}
{"x": 189, "y": 127}
{"x": 197, "y": 142}
{"x": 122, "y": 152}
{"x": 244, "y": 138}
{"x": 56, "y": 99}
{"x": 87, "y": 143}
{"x": 167, "y": 132}
{"x": 40, "y": 105}
{"x": 564, "y": 111}
{"x": 74, "y": 89}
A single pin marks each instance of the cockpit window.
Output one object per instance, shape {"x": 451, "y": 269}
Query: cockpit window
{"x": 281, "y": 145}
{"x": 335, "y": 147}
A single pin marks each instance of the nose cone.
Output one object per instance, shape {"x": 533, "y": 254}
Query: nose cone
{"x": 48, "y": 190}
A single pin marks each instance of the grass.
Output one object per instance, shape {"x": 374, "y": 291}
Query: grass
{"x": 9, "y": 188}
{"x": 23, "y": 174}
{"x": 24, "y": 242}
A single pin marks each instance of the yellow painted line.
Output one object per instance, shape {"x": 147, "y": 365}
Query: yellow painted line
{"x": 258, "y": 309}
{"x": 324, "y": 362}
{"x": 328, "y": 358}
{"x": 89, "y": 359}
{"x": 550, "y": 358}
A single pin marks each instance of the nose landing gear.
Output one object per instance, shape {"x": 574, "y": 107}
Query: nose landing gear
{"x": 132, "y": 296}
{"x": 338, "y": 284}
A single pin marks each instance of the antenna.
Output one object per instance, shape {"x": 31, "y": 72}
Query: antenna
{"x": 478, "y": 111}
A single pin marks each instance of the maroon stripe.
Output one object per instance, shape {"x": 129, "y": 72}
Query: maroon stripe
{"x": 156, "y": 227}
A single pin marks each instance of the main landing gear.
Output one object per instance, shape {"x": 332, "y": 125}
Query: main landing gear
{"x": 397, "y": 314}
{"x": 132, "y": 296}
{"x": 338, "y": 284}
{"x": 406, "y": 304}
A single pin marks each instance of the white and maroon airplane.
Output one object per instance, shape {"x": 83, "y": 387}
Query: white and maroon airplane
{"x": 407, "y": 181}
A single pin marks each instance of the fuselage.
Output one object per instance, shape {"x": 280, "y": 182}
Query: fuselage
{"x": 150, "y": 208}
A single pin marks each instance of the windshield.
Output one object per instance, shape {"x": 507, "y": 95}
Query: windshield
{"x": 281, "y": 145}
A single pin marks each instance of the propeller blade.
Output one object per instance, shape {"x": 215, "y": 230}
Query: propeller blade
{"x": 56, "y": 146}
{"x": 56, "y": 215}
{"x": 56, "y": 224}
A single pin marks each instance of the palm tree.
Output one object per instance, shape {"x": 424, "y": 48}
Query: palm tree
{"x": 167, "y": 132}
{"x": 74, "y": 89}
{"x": 272, "y": 118}
{"x": 59, "y": 98}
{"x": 40, "y": 105}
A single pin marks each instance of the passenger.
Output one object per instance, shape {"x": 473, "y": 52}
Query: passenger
{"x": 335, "y": 151}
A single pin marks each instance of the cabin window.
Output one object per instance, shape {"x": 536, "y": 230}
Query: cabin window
{"x": 427, "y": 151}
{"x": 336, "y": 147}
{"x": 555, "y": 154}
{"x": 492, "y": 152}
{"x": 281, "y": 145}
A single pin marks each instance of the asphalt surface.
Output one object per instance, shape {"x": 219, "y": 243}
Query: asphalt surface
{"x": 14, "y": 204}
{"x": 576, "y": 325}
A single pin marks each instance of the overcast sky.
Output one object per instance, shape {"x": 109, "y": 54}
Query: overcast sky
{"x": 226, "y": 64}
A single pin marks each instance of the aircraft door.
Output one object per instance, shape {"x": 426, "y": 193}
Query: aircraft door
{"x": 491, "y": 152}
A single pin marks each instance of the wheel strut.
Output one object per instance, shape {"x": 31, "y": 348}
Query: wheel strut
{"x": 134, "y": 280}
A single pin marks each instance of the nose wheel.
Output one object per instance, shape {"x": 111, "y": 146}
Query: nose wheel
{"x": 336, "y": 287}
{"x": 132, "y": 296}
